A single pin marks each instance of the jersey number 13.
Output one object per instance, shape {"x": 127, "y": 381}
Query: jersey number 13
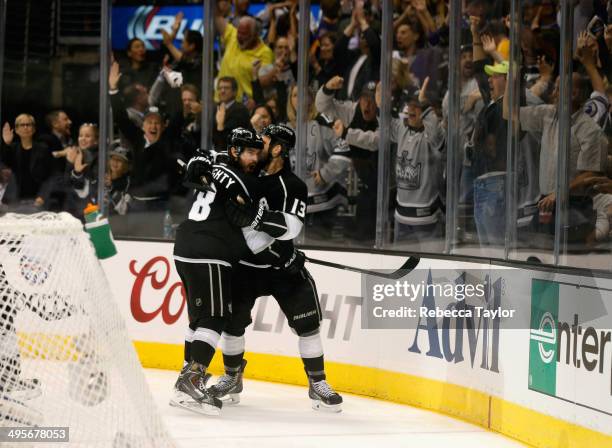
{"x": 298, "y": 208}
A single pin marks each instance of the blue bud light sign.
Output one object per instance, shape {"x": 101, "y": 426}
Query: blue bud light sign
{"x": 147, "y": 22}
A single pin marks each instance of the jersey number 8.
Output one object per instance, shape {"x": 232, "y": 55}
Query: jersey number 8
{"x": 201, "y": 206}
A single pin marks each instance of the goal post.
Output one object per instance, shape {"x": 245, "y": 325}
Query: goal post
{"x": 66, "y": 359}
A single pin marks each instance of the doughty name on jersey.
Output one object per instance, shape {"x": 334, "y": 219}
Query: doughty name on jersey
{"x": 221, "y": 176}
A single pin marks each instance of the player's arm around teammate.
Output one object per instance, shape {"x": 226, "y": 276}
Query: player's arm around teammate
{"x": 280, "y": 215}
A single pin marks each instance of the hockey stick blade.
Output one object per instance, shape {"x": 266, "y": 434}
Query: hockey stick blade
{"x": 404, "y": 269}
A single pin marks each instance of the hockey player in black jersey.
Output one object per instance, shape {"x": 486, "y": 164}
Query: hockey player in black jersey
{"x": 278, "y": 270}
{"x": 207, "y": 246}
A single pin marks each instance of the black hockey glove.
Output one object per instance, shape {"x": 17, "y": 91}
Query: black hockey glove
{"x": 244, "y": 215}
{"x": 295, "y": 263}
{"x": 198, "y": 173}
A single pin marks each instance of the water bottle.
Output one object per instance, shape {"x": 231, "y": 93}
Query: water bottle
{"x": 99, "y": 232}
{"x": 168, "y": 229}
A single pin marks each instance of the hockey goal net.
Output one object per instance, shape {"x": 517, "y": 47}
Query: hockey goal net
{"x": 65, "y": 356}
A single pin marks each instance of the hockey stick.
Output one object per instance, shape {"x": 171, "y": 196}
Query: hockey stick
{"x": 404, "y": 269}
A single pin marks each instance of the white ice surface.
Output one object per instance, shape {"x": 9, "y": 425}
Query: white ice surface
{"x": 278, "y": 415}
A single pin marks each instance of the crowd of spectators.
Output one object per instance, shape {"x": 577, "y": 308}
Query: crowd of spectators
{"x": 156, "y": 110}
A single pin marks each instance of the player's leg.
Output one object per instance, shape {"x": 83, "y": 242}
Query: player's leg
{"x": 188, "y": 334}
{"x": 232, "y": 346}
{"x": 11, "y": 382}
{"x": 245, "y": 287}
{"x": 13, "y": 411}
{"x": 14, "y": 391}
{"x": 229, "y": 385}
{"x": 298, "y": 298}
{"x": 23, "y": 389}
{"x": 208, "y": 292}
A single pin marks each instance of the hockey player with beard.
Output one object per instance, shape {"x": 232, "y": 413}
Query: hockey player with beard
{"x": 277, "y": 270}
{"x": 207, "y": 248}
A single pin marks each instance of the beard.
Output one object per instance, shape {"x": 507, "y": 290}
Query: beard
{"x": 249, "y": 168}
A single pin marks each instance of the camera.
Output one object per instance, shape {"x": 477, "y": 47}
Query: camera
{"x": 596, "y": 26}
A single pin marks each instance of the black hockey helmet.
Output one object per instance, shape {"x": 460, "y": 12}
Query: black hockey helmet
{"x": 241, "y": 138}
{"x": 280, "y": 134}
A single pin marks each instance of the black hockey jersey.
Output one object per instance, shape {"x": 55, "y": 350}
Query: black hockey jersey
{"x": 285, "y": 196}
{"x": 206, "y": 234}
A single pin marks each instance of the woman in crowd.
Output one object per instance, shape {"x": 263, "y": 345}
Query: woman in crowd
{"x": 323, "y": 64}
{"x": 82, "y": 170}
{"x": 136, "y": 69}
{"x": 24, "y": 162}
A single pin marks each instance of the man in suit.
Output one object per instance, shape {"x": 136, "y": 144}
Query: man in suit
{"x": 153, "y": 167}
{"x": 231, "y": 114}
{"x": 60, "y": 138}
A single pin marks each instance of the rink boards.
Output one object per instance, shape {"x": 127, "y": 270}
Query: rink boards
{"x": 542, "y": 379}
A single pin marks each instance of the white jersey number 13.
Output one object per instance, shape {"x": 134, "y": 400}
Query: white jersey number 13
{"x": 299, "y": 208}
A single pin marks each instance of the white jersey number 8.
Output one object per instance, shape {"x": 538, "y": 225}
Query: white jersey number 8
{"x": 201, "y": 206}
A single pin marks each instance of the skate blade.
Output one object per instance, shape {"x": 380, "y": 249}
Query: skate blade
{"x": 230, "y": 399}
{"x": 190, "y": 404}
{"x": 25, "y": 394}
{"x": 14, "y": 411}
{"x": 318, "y": 405}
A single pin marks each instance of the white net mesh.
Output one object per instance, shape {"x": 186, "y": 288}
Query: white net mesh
{"x": 65, "y": 356}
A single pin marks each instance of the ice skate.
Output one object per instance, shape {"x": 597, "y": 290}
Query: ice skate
{"x": 207, "y": 376}
{"x": 181, "y": 373}
{"x": 24, "y": 389}
{"x": 14, "y": 411}
{"x": 323, "y": 397}
{"x": 229, "y": 386}
{"x": 190, "y": 392}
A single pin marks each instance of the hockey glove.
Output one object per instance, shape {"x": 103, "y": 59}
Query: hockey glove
{"x": 295, "y": 263}
{"x": 244, "y": 215}
{"x": 198, "y": 173}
